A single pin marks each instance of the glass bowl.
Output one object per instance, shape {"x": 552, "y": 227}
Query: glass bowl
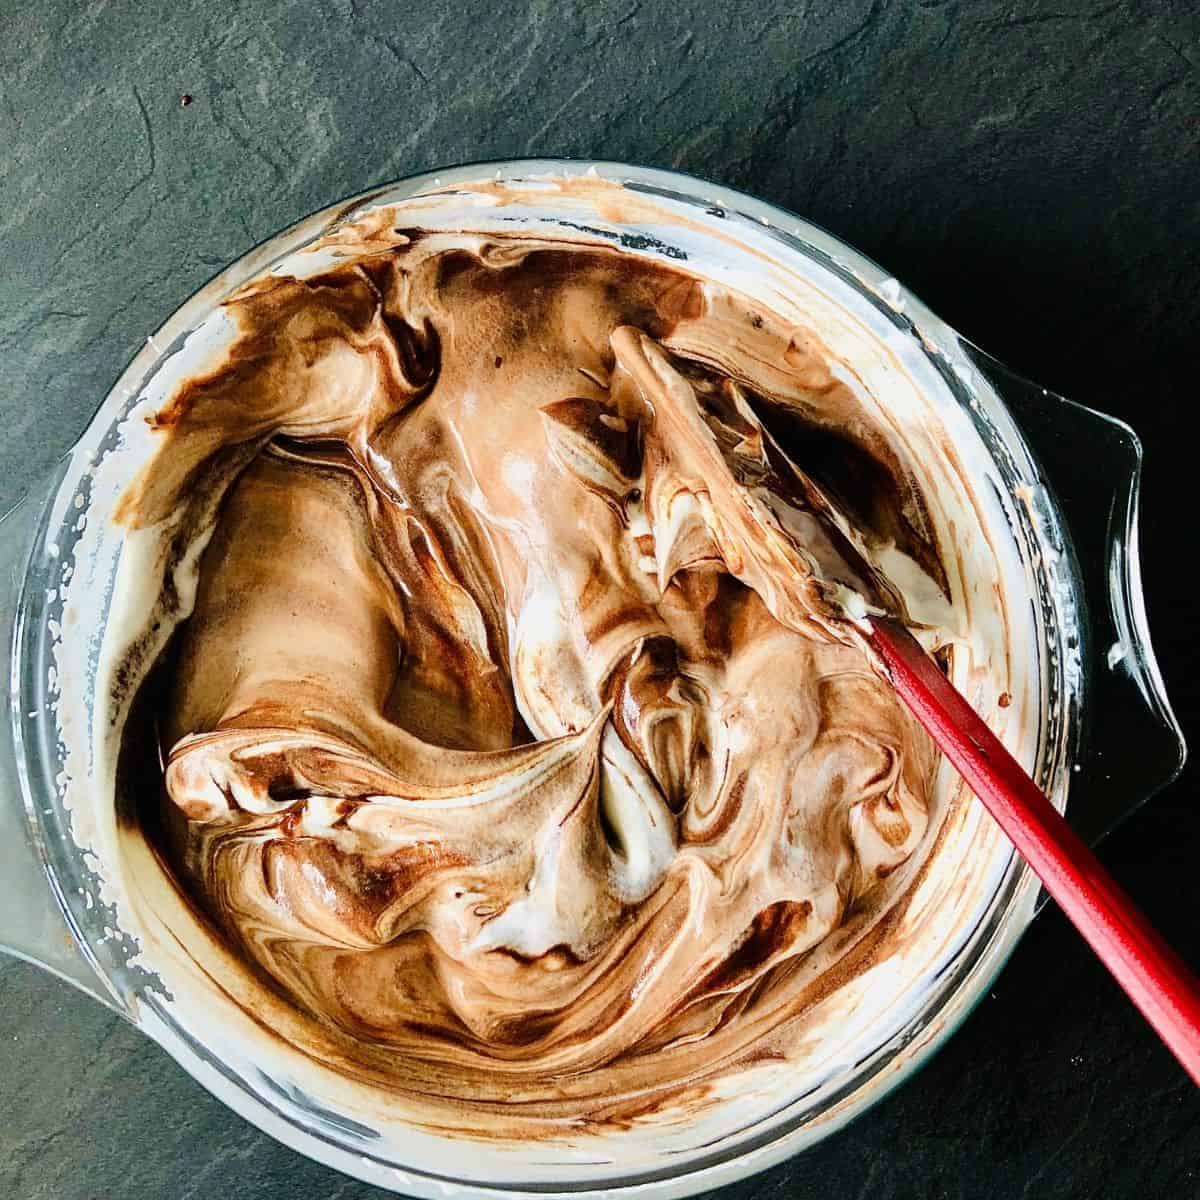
{"x": 1072, "y": 525}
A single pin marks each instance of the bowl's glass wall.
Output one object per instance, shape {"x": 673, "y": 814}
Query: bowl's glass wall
{"x": 1036, "y": 531}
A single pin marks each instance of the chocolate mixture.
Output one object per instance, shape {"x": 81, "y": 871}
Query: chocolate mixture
{"x": 518, "y": 735}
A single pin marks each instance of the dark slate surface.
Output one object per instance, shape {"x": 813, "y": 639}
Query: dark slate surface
{"x": 1031, "y": 169}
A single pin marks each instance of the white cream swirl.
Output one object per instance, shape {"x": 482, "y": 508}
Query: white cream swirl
{"x": 518, "y": 733}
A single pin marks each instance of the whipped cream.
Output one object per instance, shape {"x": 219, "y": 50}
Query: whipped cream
{"x": 488, "y": 592}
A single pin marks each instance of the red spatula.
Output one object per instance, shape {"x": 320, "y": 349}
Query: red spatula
{"x": 1152, "y": 974}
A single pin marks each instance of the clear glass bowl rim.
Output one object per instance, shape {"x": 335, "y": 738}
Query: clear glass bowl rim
{"x": 977, "y": 964}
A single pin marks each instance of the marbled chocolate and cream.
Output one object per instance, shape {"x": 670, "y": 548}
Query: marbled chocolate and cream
{"x": 519, "y": 740}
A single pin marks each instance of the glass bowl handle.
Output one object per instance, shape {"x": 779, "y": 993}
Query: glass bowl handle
{"x": 32, "y": 925}
{"x": 1091, "y": 464}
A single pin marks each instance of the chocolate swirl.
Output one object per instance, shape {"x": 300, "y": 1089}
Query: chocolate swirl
{"x": 518, "y": 734}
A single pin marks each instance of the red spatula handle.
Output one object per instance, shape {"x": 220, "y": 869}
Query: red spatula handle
{"x": 1154, "y": 976}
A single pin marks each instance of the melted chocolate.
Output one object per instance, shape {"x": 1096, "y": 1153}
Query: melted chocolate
{"x": 517, "y": 734}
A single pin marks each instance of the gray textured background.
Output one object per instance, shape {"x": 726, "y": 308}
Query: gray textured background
{"x": 1031, "y": 169}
